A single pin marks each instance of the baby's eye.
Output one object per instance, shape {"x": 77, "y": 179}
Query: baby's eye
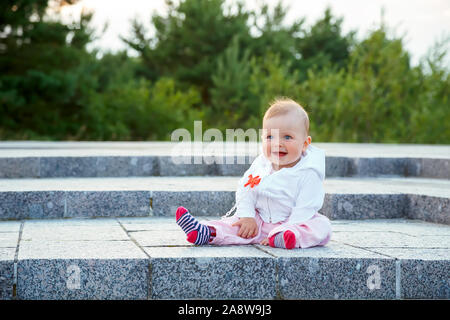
{"x": 287, "y": 137}
{"x": 269, "y": 137}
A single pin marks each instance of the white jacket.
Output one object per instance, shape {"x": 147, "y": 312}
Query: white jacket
{"x": 291, "y": 195}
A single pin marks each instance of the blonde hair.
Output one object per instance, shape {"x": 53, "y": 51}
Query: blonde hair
{"x": 282, "y": 106}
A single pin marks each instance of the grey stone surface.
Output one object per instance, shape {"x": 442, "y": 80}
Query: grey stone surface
{"x": 405, "y": 226}
{"x": 9, "y": 239}
{"x": 377, "y": 239}
{"x": 212, "y": 273}
{"x": 232, "y": 169}
{"x": 335, "y": 271}
{"x": 366, "y": 259}
{"x": 67, "y": 167}
{"x": 101, "y": 166}
{"x": 425, "y": 254}
{"x": 72, "y": 233}
{"x": 85, "y": 148}
{"x": 107, "y": 203}
{"x": 9, "y": 226}
{"x": 199, "y": 203}
{"x": 184, "y": 166}
{"x": 435, "y": 168}
{"x": 424, "y": 279}
{"x": 149, "y": 223}
{"x": 32, "y": 204}
{"x": 364, "y": 206}
{"x": 82, "y": 270}
{"x": 175, "y": 237}
{"x": 372, "y": 167}
{"x": 27, "y": 167}
{"x": 69, "y": 222}
{"x": 428, "y": 208}
{"x": 95, "y": 159}
{"x": 73, "y": 279}
{"x": 339, "y": 167}
{"x": 345, "y": 198}
{"x": 126, "y": 166}
{"x": 6, "y": 273}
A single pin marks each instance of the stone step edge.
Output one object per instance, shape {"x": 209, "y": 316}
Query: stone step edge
{"x": 270, "y": 277}
{"x": 89, "y": 204}
{"x": 123, "y": 166}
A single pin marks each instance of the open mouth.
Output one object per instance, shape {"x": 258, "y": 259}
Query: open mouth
{"x": 280, "y": 154}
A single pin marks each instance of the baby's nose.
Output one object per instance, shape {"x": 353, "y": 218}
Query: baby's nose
{"x": 277, "y": 144}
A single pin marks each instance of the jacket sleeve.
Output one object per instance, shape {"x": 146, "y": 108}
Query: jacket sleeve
{"x": 245, "y": 200}
{"x": 246, "y": 196}
{"x": 310, "y": 198}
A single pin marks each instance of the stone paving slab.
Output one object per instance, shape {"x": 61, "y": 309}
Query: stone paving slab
{"x": 346, "y": 198}
{"x": 155, "y": 238}
{"x": 409, "y": 227}
{"x": 336, "y": 271}
{"x": 382, "y": 239}
{"x": 73, "y": 233}
{"x": 81, "y": 270}
{"x": 233, "y": 272}
{"x": 366, "y": 259}
{"x": 418, "y": 186}
{"x": 10, "y": 226}
{"x": 85, "y": 148}
{"x": 9, "y": 239}
{"x": 6, "y": 273}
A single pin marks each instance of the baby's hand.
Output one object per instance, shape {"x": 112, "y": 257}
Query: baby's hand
{"x": 248, "y": 227}
{"x": 265, "y": 242}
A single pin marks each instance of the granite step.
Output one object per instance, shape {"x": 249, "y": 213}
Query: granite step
{"x": 123, "y": 159}
{"x": 148, "y": 258}
{"x": 345, "y": 198}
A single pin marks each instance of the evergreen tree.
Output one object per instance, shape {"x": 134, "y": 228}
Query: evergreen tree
{"x": 324, "y": 45}
{"x": 39, "y": 82}
{"x": 189, "y": 41}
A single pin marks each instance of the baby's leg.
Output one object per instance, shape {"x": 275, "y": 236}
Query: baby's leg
{"x": 226, "y": 234}
{"x": 197, "y": 233}
{"x": 314, "y": 232}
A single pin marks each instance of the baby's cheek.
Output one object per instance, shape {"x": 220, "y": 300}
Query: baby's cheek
{"x": 266, "y": 149}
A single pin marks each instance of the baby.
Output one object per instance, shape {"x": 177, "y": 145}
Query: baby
{"x": 278, "y": 198}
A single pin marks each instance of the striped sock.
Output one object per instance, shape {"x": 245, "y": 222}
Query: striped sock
{"x": 196, "y": 232}
{"x": 284, "y": 239}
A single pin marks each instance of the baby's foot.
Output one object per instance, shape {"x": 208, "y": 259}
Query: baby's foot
{"x": 284, "y": 239}
{"x": 196, "y": 232}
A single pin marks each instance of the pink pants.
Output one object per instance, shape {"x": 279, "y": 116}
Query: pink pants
{"x": 314, "y": 232}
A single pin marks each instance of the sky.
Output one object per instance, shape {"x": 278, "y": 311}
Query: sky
{"x": 420, "y": 22}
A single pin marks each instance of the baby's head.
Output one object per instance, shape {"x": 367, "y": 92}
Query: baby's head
{"x": 285, "y": 133}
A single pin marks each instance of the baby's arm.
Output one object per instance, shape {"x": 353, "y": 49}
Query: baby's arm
{"x": 245, "y": 207}
{"x": 310, "y": 198}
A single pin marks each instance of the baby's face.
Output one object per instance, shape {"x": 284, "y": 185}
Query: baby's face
{"x": 284, "y": 141}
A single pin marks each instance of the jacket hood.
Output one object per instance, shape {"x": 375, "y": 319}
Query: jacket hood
{"x": 314, "y": 158}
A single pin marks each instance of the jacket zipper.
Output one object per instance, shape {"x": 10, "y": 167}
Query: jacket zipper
{"x": 268, "y": 208}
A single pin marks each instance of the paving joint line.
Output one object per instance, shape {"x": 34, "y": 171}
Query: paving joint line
{"x": 131, "y": 238}
{"x": 16, "y": 260}
{"x": 150, "y": 267}
{"x": 278, "y": 294}
{"x": 365, "y": 249}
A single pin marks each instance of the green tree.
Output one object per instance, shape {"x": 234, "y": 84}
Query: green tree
{"x": 39, "y": 88}
{"x": 188, "y": 42}
{"x": 323, "y": 45}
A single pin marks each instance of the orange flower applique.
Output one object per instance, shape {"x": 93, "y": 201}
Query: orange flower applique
{"x": 252, "y": 181}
